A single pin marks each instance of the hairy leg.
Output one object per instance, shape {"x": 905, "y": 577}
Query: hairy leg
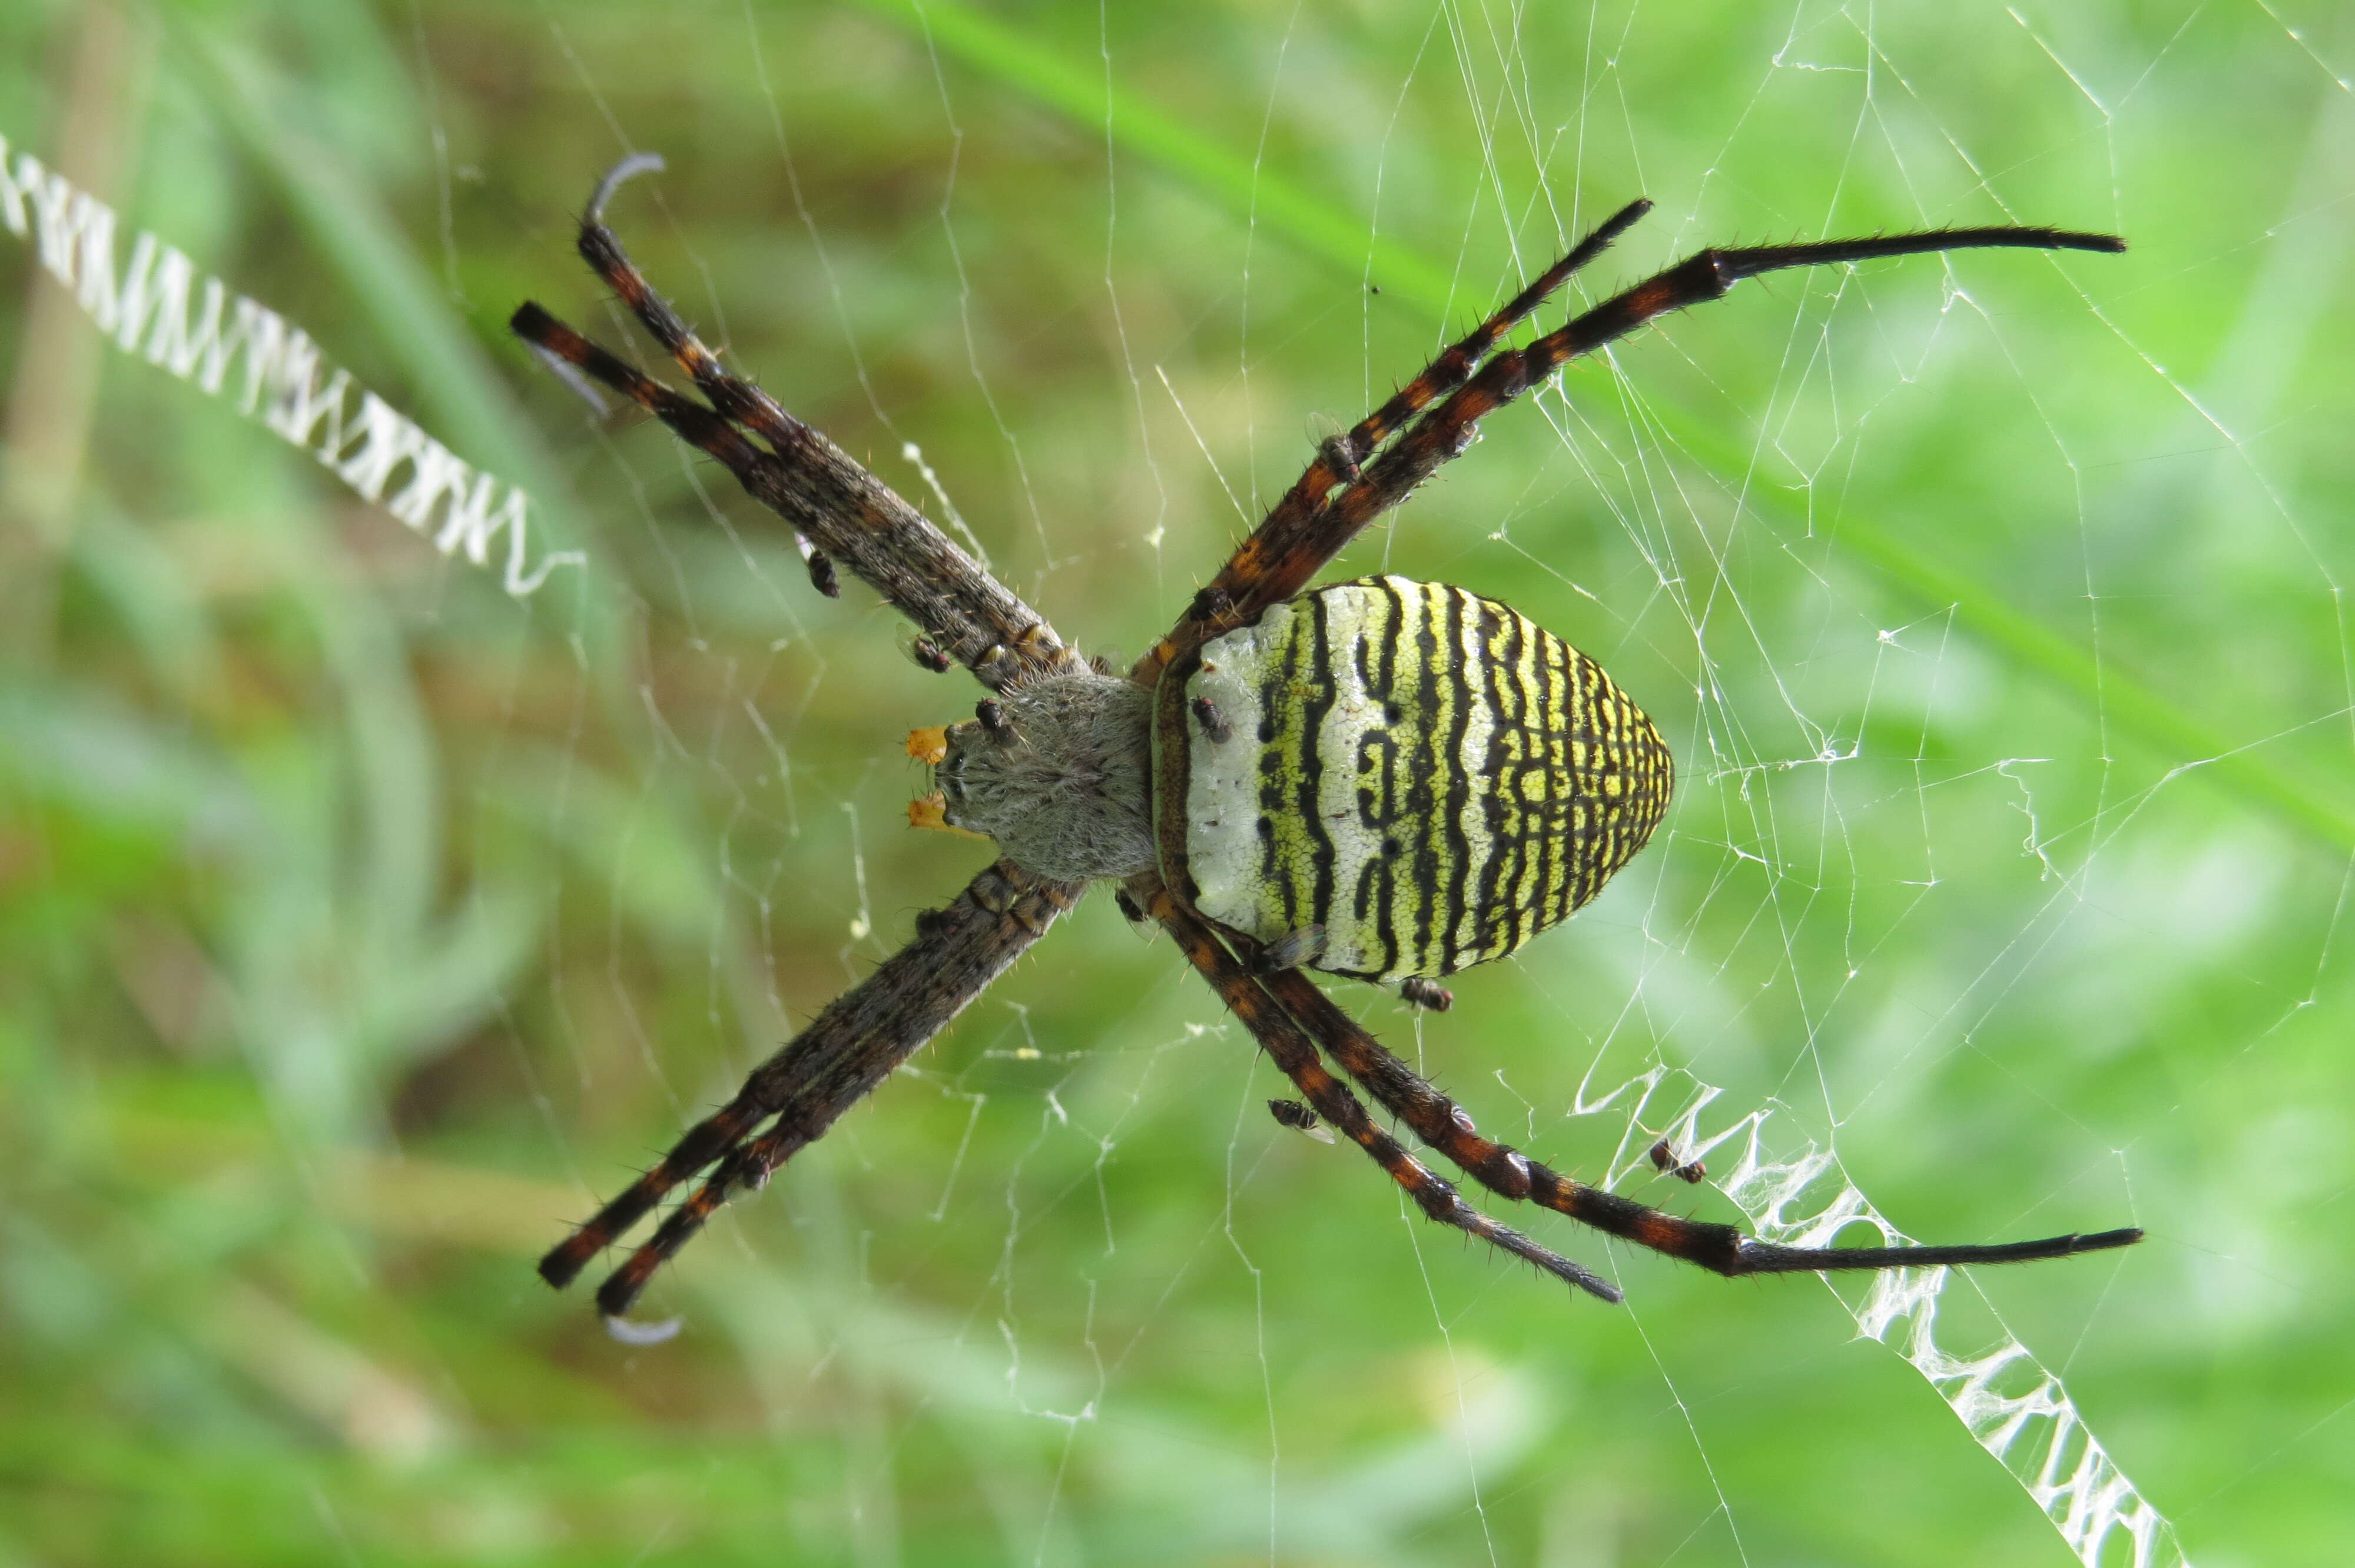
{"x": 1447, "y": 429}
{"x": 1292, "y": 1051}
{"x": 846, "y": 1052}
{"x": 1308, "y": 527}
{"x": 1722, "y": 1249}
{"x": 1238, "y": 592}
{"x": 845, "y": 513}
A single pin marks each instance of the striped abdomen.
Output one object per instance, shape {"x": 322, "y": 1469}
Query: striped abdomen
{"x": 1422, "y": 772}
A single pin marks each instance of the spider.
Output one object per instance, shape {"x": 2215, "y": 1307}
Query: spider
{"x": 1384, "y": 779}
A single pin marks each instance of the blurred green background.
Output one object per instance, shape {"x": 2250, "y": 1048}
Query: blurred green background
{"x": 364, "y": 925}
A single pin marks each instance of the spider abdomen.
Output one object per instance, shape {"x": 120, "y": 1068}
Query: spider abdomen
{"x": 1425, "y": 773}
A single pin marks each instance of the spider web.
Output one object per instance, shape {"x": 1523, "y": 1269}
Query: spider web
{"x": 1992, "y": 609}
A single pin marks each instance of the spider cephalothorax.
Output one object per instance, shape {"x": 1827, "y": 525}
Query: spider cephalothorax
{"x": 1056, "y": 769}
{"x": 1385, "y": 779}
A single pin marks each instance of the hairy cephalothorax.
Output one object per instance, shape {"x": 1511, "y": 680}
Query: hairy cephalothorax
{"x": 1056, "y": 769}
{"x": 1386, "y": 778}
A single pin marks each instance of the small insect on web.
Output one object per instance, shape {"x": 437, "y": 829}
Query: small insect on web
{"x": 1299, "y": 1118}
{"x": 1664, "y": 1159}
{"x": 1384, "y": 779}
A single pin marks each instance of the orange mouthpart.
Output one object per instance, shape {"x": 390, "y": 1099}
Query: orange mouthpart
{"x": 930, "y": 812}
{"x": 928, "y": 746}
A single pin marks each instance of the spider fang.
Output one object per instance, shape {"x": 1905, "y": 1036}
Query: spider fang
{"x": 929, "y": 745}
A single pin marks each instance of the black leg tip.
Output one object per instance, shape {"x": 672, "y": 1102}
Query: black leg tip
{"x": 561, "y": 1265}
{"x": 1626, "y": 217}
{"x": 619, "y": 1294}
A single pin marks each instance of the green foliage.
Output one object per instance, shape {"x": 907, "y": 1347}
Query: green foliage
{"x": 362, "y": 924}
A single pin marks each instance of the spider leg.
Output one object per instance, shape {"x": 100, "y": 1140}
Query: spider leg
{"x": 1447, "y": 429}
{"x": 688, "y": 419}
{"x": 849, "y": 1048}
{"x": 1338, "y": 460}
{"x": 747, "y": 1167}
{"x": 1233, "y": 596}
{"x": 735, "y": 398}
{"x": 1722, "y": 1249}
{"x": 1300, "y": 535}
{"x": 1246, "y": 997}
{"x": 840, "y": 511}
{"x": 706, "y": 1141}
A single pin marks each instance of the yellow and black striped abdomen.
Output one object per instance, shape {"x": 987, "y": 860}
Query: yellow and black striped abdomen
{"x": 1422, "y": 772}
